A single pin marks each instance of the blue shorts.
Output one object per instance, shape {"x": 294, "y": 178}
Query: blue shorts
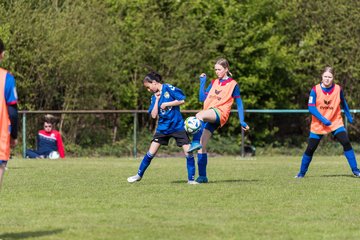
{"x": 3, "y": 162}
{"x": 213, "y": 126}
{"x": 319, "y": 136}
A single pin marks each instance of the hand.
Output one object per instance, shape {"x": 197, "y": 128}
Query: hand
{"x": 202, "y": 77}
{"x": 349, "y": 118}
{"x": 244, "y": 126}
{"x": 327, "y": 122}
{"x": 157, "y": 95}
{"x": 163, "y": 106}
{"x": 13, "y": 142}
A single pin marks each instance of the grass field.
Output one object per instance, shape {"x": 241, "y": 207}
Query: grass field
{"x": 256, "y": 198}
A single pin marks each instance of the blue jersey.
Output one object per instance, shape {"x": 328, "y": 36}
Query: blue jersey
{"x": 170, "y": 119}
{"x": 10, "y": 90}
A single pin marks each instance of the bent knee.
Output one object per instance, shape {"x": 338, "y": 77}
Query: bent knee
{"x": 199, "y": 116}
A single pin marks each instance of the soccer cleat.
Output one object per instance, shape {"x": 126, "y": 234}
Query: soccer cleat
{"x": 192, "y": 182}
{"x": 133, "y": 179}
{"x": 194, "y": 146}
{"x": 300, "y": 175}
{"x": 356, "y": 173}
{"x": 202, "y": 179}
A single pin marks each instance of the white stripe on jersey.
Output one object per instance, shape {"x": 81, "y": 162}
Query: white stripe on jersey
{"x": 52, "y": 136}
{"x": 311, "y": 99}
{"x": 15, "y": 93}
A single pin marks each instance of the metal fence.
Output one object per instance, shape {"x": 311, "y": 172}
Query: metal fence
{"x": 135, "y": 114}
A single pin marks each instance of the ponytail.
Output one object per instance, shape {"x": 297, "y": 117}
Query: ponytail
{"x": 225, "y": 64}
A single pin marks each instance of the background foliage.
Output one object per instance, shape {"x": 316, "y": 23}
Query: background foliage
{"x": 69, "y": 55}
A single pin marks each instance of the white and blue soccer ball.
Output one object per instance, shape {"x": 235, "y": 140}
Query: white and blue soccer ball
{"x": 192, "y": 125}
{"x": 54, "y": 155}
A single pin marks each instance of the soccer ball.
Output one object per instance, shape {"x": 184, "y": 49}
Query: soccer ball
{"x": 192, "y": 125}
{"x": 54, "y": 155}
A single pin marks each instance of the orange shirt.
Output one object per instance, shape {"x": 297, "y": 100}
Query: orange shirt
{"x": 4, "y": 120}
{"x": 220, "y": 97}
{"x": 328, "y": 105}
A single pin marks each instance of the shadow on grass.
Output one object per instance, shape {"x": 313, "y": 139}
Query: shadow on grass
{"x": 338, "y": 175}
{"x": 16, "y": 168}
{"x": 223, "y": 181}
{"x": 25, "y": 235}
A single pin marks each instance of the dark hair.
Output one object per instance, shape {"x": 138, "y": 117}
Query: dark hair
{"x": 153, "y": 76}
{"x": 2, "y": 46}
{"x": 224, "y": 63}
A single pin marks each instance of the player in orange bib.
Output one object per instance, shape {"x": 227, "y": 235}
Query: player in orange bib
{"x": 324, "y": 105}
{"x": 8, "y": 114}
{"x": 218, "y": 99}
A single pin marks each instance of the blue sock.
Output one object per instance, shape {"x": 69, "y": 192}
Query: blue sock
{"x": 202, "y": 162}
{"x": 305, "y": 162}
{"x": 145, "y": 163}
{"x": 190, "y": 164}
{"x": 350, "y": 156}
{"x": 197, "y": 136}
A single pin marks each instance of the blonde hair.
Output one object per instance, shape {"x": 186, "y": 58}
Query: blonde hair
{"x": 225, "y": 64}
{"x": 328, "y": 69}
{"x": 49, "y": 118}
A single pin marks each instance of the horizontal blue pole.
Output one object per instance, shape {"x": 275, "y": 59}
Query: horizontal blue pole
{"x": 183, "y": 111}
{"x": 276, "y": 111}
{"x": 285, "y": 111}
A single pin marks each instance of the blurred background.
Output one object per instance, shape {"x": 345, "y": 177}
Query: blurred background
{"x": 93, "y": 55}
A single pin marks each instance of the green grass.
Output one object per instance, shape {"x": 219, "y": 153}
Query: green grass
{"x": 258, "y": 198}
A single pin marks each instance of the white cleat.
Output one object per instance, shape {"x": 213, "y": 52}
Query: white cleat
{"x": 192, "y": 182}
{"x": 133, "y": 179}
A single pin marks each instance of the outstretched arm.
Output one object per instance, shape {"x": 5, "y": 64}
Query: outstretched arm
{"x": 345, "y": 107}
{"x": 240, "y": 109}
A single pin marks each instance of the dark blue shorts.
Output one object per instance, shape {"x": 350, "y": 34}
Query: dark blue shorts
{"x": 213, "y": 126}
{"x": 3, "y": 162}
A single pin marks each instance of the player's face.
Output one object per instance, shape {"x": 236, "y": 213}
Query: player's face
{"x": 327, "y": 79}
{"x": 220, "y": 71}
{"x": 151, "y": 86}
{"x": 47, "y": 127}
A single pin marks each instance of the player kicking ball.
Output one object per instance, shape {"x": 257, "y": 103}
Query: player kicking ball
{"x": 218, "y": 99}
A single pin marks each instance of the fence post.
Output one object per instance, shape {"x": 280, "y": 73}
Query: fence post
{"x": 135, "y": 137}
{"x": 24, "y": 134}
{"x": 242, "y": 143}
{"x": 346, "y": 122}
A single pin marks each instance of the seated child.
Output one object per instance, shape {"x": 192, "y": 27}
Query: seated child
{"x": 48, "y": 140}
